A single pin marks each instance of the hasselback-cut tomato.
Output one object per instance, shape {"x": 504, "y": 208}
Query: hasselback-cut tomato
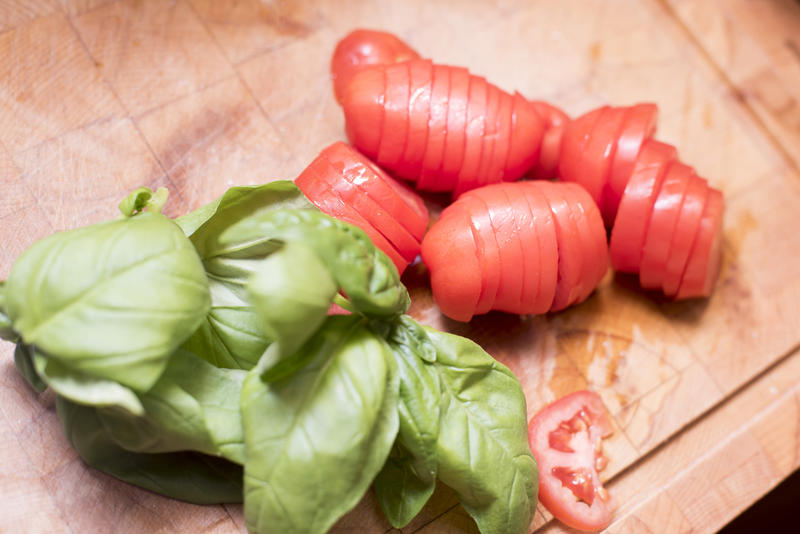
{"x": 538, "y": 246}
{"x": 346, "y": 185}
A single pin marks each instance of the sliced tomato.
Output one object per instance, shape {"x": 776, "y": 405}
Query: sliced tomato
{"x": 363, "y": 48}
{"x": 686, "y": 229}
{"x": 478, "y": 213}
{"x": 419, "y": 110}
{"x": 527, "y": 130}
{"x": 395, "y": 116}
{"x": 640, "y": 125}
{"x": 592, "y": 233}
{"x": 507, "y": 233}
{"x": 503, "y": 144}
{"x": 452, "y": 252}
{"x": 570, "y": 263}
{"x": 545, "y": 225}
{"x": 555, "y": 122}
{"x": 633, "y": 217}
{"x": 437, "y": 128}
{"x": 705, "y": 258}
{"x": 565, "y": 439}
{"x": 395, "y": 198}
{"x": 662, "y": 225}
{"x": 490, "y": 134}
{"x": 473, "y": 141}
{"x": 577, "y": 135}
{"x": 531, "y": 265}
{"x": 456, "y": 129}
{"x": 363, "y": 110}
{"x": 599, "y": 152}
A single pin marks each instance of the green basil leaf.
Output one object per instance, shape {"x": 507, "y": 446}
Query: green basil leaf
{"x": 364, "y": 273}
{"x": 291, "y": 291}
{"x": 483, "y": 446}
{"x": 187, "y": 476}
{"x": 231, "y": 336}
{"x": 112, "y": 300}
{"x": 315, "y": 441}
{"x": 143, "y": 198}
{"x": 408, "y": 478}
{"x": 23, "y": 359}
{"x": 6, "y": 328}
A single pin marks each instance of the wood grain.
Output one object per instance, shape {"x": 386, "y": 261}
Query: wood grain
{"x": 101, "y": 96}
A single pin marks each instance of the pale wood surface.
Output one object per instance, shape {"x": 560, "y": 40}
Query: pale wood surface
{"x": 99, "y": 97}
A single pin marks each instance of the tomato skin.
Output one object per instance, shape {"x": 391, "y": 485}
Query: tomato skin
{"x": 473, "y": 140}
{"x": 705, "y": 257}
{"x": 363, "y": 110}
{"x": 686, "y": 229}
{"x": 456, "y": 129}
{"x": 555, "y": 122}
{"x": 419, "y": 109}
{"x": 395, "y": 116}
{"x": 363, "y": 48}
{"x": 527, "y": 131}
{"x": 565, "y": 436}
{"x": 437, "y": 129}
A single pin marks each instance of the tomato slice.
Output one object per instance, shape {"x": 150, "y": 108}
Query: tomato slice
{"x": 395, "y": 116}
{"x": 482, "y": 224}
{"x": 456, "y": 129}
{"x": 705, "y": 258}
{"x": 507, "y": 234}
{"x": 531, "y": 265}
{"x": 490, "y": 134}
{"x": 362, "y": 48}
{"x": 363, "y": 110}
{"x": 419, "y": 110}
{"x": 437, "y": 128}
{"x": 565, "y": 439}
{"x": 570, "y": 263}
{"x": 592, "y": 234}
{"x": 527, "y": 130}
{"x": 555, "y": 122}
{"x": 599, "y": 152}
{"x": 662, "y": 225}
{"x": 503, "y": 144}
{"x": 545, "y": 226}
{"x": 686, "y": 228}
{"x": 475, "y": 130}
{"x": 451, "y": 251}
{"x": 577, "y": 135}
{"x": 395, "y": 198}
{"x": 640, "y": 125}
{"x": 630, "y": 225}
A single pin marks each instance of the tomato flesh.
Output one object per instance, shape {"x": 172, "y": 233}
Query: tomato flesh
{"x": 565, "y": 439}
{"x": 704, "y": 262}
{"x": 577, "y": 135}
{"x": 555, "y": 121}
{"x": 686, "y": 228}
{"x": 599, "y": 152}
{"x": 527, "y": 131}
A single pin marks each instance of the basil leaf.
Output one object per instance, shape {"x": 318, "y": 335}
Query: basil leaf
{"x": 483, "y": 446}
{"x": 112, "y": 300}
{"x": 143, "y": 198}
{"x": 408, "y": 478}
{"x": 188, "y": 476}
{"x": 23, "y": 359}
{"x": 314, "y": 442}
{"x": 231, "y": 336}
{"x": 6, "y": 328}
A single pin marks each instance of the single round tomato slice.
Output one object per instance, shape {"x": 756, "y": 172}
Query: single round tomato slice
{"x": 555, "y": 122}
{"x": 577, "y": 135}
{"x": 395, "y": 116}
{"x": 363, "y": 110}
{"x": 473, "y": 140}
{"x": 705, "y": 258}
{"x": 395, "y": 198}
{"x": 662, "y": 225}
{"x": 503, "y": 144}
{"x": 633, "y": 217}
{"x": 565, "y": 438}
{"x": 640, "y": 125}
{"x": 686, "y": 228}
{"x": 599, "y": 152}
{"x": 437, "y": 128}
{"x": 482, "y": 224}
{"x": 456, "y": 129}
{"x": 527, "y": 130}
{"x": 419, "y": 110}
{"x": 531, "y": 265}
{"x": 490, "y": 134}
{"x": 545, "y": 226}
{"x": 592, "y": 233}
{"x": 363, "y": 48}
{"x": 570, "y": 262}
{"x": 507, "y": 233}
{"x": 450, "y": 250}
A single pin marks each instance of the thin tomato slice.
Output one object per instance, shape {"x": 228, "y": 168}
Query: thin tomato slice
{"x": 599, "y": 152}
{"x": 395, "y": 116}
{"x": 503, "y": 144}
{"x": 705, "y": 258}
{"x": 530, "y": 267}
{"x": 577, "y": 135}
{"x": 640, "y": 125}
{"x": 395, "y": 198}
{"x": 451, "y": 252}
{"x": 363, "y": 110}
{"x": 456, "y": 129}
{"x": 565, "y": 438}
{"x": 593, "y": 241}
{"x": 555, "y": 122}
{"x": 527, "y": 130}
{"x": 475, "y": 130}
{"x": 662, "y": 225}
{"x": 482, "y": 224}
{"x": 419, "y": 110}
{"x": 570, "y": 263}
{"x": 507, "y": 233}
{"x": 633, "y": 217}
{"x": 490, "y": 134}
{"x": 686, "y": 228}
{"x": 545, "y": 225}
{"x": 437, "y": 128}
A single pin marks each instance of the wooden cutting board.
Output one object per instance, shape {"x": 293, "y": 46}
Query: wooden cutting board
{"x": 99, "y": 97}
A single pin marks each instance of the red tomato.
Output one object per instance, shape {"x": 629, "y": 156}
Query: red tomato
{"x": 531, "y": 262}
{"x": 555, "y": 122}
{"x": 577, "y": 135}
{"x": 490, "y": 134}
{"x": 507, "y": 233}
{"x": 456, "y": 130}
{"x": 545, "y": 225}
{"x": 694, "y": 203}
{"x": 419, "y": 108}
{"x": 363, "y": 48}
{"x": 437, "y": 127}
{"x": 363, "y": 110}
{"x": 481, "y": 222}
{"x": 473, "y": 142}
{"x": 630, "y": 224}
{"x": 527, "y": 131}
{"x": 503, "y": 144}
{"x": 599, "y": 152}
{"x": 565, "y": 439}
{"x": 705, "y": 257}
{"x": 395, "y": 116}
{"x": 593, "y": 238}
